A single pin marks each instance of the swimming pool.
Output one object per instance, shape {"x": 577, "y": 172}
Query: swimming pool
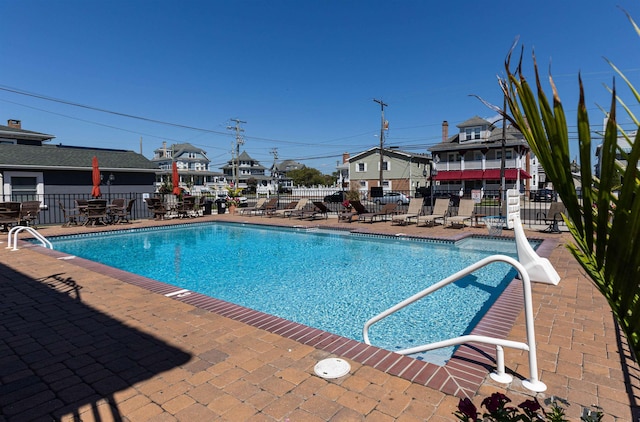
{"x": 334, "y": 281}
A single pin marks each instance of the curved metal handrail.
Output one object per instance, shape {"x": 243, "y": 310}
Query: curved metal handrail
{"x": 533, "y": 383}
{"x": 12, "y": 243}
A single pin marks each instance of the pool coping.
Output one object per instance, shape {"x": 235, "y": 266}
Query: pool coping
{"x": 461, "y": 376}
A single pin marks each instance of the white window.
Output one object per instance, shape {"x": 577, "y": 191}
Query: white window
{"x": 477, "y": 156}
{"x": 23, "y": 186}
{"x": 386, "y": 166}
{"x": 386, "y": 184}
{"x": 361, "y": 167}
{"x": 363, "y": 184}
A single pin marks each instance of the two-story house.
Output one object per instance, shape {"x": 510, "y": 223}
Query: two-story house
{"x": 193, "y": 168}
{"x": 401, "y": 171}
{"x": 472, "y": 158}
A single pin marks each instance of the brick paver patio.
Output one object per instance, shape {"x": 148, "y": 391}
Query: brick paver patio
{"x": 83, "y": 343}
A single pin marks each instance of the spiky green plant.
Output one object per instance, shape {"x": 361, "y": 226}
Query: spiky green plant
{"x": 605, "y": 223}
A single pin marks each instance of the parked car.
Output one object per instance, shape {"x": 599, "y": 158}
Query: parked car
{"x": 542, "y": 195}
{"x": 339, "y": 196}
{"x": 391, "y": 197}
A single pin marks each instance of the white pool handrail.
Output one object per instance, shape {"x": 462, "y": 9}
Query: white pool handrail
{"x": 533, "y": 383}
{"x": 12, "y": 242}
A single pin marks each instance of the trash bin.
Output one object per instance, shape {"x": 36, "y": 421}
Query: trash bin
{"x": 222, "y": 206}
{"x": 208, "y": 205}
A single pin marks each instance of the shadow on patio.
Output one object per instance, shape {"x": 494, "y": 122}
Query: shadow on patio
{"x": 60, "y": 355}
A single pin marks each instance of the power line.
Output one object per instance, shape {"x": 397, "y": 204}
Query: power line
{"x": 116, "y": 113}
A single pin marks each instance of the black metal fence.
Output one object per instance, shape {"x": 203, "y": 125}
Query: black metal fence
{"x": 533, "y": 211}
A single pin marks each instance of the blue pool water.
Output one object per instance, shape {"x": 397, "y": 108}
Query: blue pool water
{"x": 334, "y": 281}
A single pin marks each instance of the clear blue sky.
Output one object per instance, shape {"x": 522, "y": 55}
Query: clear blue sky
{"x": 302, "y": 74}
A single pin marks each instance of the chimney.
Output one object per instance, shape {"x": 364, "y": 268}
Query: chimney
{"x": 164, "y": 149}
{"x": 345, "y": 157}
{"x": 16, "y": 124}
{"x": 445, "y": 131}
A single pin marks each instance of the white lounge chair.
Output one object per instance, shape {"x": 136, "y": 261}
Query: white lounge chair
{"x": 465, "y": 212}
{"x": 414, "y": 210}
{"x": 440, "y": 210}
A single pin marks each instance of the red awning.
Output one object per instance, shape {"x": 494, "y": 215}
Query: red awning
{"x": 471, "y": 175}
{"x": 509, "y": 174}
{"x": 448, "y": 175}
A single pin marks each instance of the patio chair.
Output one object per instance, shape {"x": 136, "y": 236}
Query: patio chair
{"x": 29, "y": 213}
{"x": 122, "y": 215}
{"x": 156, "y": 208}
{"x": 440, "y": 210}
{"x": 9, "y": 214}
{"x": 256, "y": 208}
{"x": 81, "y": 206}
{"x": 552, "y": 217}
{"x": 71, "y": 216}
{"x": 186, "y": 208}
{"x": 96, "y": 212}
{"x": 414, "y": 210}
{"x": 465, "y": 212}
{"x": 385, "y": 211}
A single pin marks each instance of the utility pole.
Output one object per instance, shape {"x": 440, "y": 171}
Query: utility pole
{"x": 502, "y": 157}
{"x": 382, "y": 106}
{"x": 274, "y": 173}
{"x": 235, "y": 156}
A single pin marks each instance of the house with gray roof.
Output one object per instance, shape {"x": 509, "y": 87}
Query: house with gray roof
{"x": 193, "y": 168}
{"x": 471, "y": 159}
{"x": 244, "y": 168}
{"x": 33, "y": 169}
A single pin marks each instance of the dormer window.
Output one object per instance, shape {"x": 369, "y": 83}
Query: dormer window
{"x": 472, "y": 133}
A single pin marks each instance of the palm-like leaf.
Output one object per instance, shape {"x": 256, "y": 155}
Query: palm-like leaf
{"x": 605, "y": 227}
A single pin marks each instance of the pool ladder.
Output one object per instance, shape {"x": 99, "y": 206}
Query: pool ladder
{"x": 12, "y": 243}
{"x": 533, "y": 383}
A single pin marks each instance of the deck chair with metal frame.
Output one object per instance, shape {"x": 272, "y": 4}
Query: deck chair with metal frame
{"x": 281, "y": 212}
{"x": 319, "y": 210}
{"x": 440, "y": 210}
{"x": 258, "y": 207}
{"x": 414, "y": 210}
{"x": 385, "y": 211}
{"x": 465, "y": 212}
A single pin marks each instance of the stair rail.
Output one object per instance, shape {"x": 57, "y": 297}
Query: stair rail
{"x": 533, "y": 383}
{"x": 12, "y": 242}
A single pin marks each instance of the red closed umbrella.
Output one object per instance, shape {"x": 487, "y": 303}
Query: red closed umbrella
{"x": 95, "y": 192}
{"x": 175, "y": 179}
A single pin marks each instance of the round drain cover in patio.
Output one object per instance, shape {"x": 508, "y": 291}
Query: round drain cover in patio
{"x": 332, "y": 368}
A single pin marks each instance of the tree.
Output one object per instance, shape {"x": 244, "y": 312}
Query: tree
{"x": 306, "y": 176}
{"x": 605, "y": 224}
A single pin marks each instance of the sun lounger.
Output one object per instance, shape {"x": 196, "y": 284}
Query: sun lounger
{"x": 281, "y": 212}
{"x": 319, "y": 210}
{"x": 257, "y": 208}
{"x": 414, "y": 210}
{"x": 465, "y": 212}
{"x": 385, "y": 211}
{"x": 440, "y": 209}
